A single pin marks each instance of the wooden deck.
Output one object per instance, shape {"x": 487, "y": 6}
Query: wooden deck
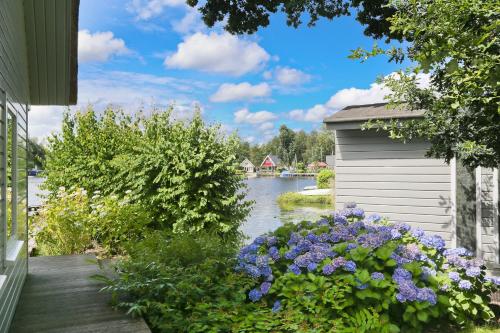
{"x": 58, "y": 296}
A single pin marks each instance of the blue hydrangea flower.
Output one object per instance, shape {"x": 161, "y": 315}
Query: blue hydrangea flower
{"x": 377, "y": 276}
{"x": 312, "y": 266}
{"x": 351, "y": 246}
{"x": 255, "y": 295}
{"x": 350, "y": 266}
{"x": 276, "y": 306}
{"x": 473, "y": 271}
{"x": 454, "y": 276}
{"x": 253, "y": 271}
{"x": 427, "y": 272}
{"x": 260, "y": 240}
{"x": 274, "y": 253}
{"x": 464, "y": 284}
{"x": 328, "y": 269}
{"x": 264, "y": 287}
{"x": 294, "y": 269}
{"x": 373, "y": 218}
{"x": 433, "y": 241}
{"x": 272, "y": 240}
{"x": 400, "y": 275}
{"x": 493, "y": 279}
{"x": 426, "y": 295}
{"x": 407, "y": 291}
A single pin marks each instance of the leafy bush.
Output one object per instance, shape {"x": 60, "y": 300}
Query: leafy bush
{"x": 62, "y": 226}
{"x": 183, "y": 172}
{"x": 115, "y": 222}
{"x": 186, "y": 174}
{"x": 324, "y": 178}
{"x": 72, "y": 223}
{"x": 181, "y": 283}
{"x": 301, "y": 199}
{"x": 348, "y": 273}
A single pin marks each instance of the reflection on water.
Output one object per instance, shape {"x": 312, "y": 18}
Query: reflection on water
{"x": 267, "y": 215}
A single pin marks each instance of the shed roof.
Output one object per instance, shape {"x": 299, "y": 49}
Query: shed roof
{"x": 274, "y": 159}
{"x": 359, "y": 113}
{"x": 246, "y": 162}
{"x": 52, "y": 44}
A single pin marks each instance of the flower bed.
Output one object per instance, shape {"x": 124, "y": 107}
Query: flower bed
{"x": 352, "y": 273}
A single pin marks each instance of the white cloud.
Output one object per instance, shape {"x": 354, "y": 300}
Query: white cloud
{"x": 190, "y": 23}
{"x": 218, "y": 53}
{"x": 254, "y": 118}
{"x": 267, "y": 126}
{"x": 229, "y": 92}
{"x": 355, "y": 96}
{"x": 291, "y": 76}
{"x": 147, "y": 9}
{"x": 99, "y": 46}
{"x": 45, "y": 120}
{"x": 314, "y": 114}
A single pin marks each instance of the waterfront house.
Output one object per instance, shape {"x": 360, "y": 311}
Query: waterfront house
{"x": 270, "y": 163}
{"x": 316, "y": 166}
{"x": 396, "y": 180}
{"x": 247, "y": 166}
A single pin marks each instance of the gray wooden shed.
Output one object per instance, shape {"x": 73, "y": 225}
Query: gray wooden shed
{"x": 38, "y": 66}
{"x": 396, "y": 180}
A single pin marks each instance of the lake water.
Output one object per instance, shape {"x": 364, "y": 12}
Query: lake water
{"x": 266, "y": 214}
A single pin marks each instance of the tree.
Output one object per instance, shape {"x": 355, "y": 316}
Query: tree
{"x": 286, "y": 150}
{"x": 248, "y": 16}
{"x": 36, "y": 154}
{"x": 457, "y": 43}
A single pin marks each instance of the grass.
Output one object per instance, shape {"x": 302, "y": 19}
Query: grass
{"x": 483, "y": 329}
{"x": 292, "y": 198}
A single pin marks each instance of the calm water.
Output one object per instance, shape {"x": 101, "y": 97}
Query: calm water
{"x": 266, "y": 214}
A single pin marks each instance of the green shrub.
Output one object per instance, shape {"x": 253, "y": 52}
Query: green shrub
{"x": 114, "y": 222}
{"x": 62, "y": 226}
{"x": 293, "y": 198}
{"x": 324, "y": 178}
{"x": 72, "y": 223}
{"x": 181, "y": 283}
{"x": 348, "y": 273}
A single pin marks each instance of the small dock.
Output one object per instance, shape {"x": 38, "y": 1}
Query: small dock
{"x": 297, "y": 174}
{"x": 59, "y": 297}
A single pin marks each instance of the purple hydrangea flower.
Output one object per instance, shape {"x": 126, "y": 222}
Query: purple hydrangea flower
{"x": 454, "y": 276}
{"x": 272, "y": 240}
{"x": 377, "y": 276}
{"x": 426, "y": 295}
{"x": 351, "y": 246}
{"x": 274, "y": 253}
{"x": 255, "y": 295}
{"x": 328, "y": 269}
{"x": 252, "y": 270}
{"x": 433, "y": 241}
{"x": 400, "y": 275}
{"x": 395, "y": 234}
{"x": 373, "y": 218}
{"x": 276, "y": 306}
{"x": 473, "y": 271}
{"x": 350, "y": 266}
{"x": 493, "y": 279}
{"x": 407, "y": 291}
{"x": 259, "y": 240}
{"x": 312, "y": 266}
{"x": 294, "y": 269}
{"x": 464, "y": 284}
{"x": 264, "y": 287}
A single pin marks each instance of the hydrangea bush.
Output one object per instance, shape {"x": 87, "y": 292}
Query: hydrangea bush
{"x": 351, "y": 272}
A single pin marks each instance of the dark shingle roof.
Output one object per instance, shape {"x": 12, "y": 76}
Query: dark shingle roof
{"x": 354, "y": 113}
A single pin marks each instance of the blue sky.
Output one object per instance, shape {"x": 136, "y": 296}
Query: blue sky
{"x": 140, "y": 53}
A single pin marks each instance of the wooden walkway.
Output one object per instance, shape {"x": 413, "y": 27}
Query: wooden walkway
{"x": 59, "y": 297}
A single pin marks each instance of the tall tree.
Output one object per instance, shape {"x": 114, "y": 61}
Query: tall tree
{"x": 286, "y": 150}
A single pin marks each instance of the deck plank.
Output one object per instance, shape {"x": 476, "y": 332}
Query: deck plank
{"x": 59, "y": 296}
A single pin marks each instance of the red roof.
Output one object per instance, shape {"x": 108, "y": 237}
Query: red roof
{"x": 317, "y": 165}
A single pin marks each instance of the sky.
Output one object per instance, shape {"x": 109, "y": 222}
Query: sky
{"x": 158, "y": 53}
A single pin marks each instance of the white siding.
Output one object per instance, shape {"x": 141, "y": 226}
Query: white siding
{"x": 394, "y": 179}
{"x": 14, "y": 81}
{"x": 489, "y": 216}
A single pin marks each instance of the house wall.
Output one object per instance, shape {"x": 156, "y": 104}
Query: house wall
{"x": 14, "y": 84}
{"x": 489, "y": 242}
{"x": 395, "y": 180}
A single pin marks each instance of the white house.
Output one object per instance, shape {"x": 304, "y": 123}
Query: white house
{"x": 247, "y": 166}
{"x": 396, "y": 180}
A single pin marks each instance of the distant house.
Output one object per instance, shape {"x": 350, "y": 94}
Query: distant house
{"x": 314, "y": 166}
{"x": 247, "y": 166}
{"x": 270, "y": 163}
{"x": 396, "y": 180}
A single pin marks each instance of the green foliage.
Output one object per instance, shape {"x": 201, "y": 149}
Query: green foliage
{"x": 458, "y": 45}
{"x": 183, "y": 173}
{"x": 307, "y": 147}
{"x": 325, "y": 178}
{"x": 72, "y": 223}
{"x": 181, "y": 283}
{"x": 36, "y": 154}
{"x": 63, "y": 226}
{"x": 293, "y": 198}
{"x": 250, "y": 15}
{"x": 186, "y": 174}
{"x": 115, "y": 221}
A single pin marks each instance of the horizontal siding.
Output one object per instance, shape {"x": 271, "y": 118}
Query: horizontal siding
{"x": 9, "y": 293}
{"x": 489, "y": 217}
{"x": 393, "y": 179}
